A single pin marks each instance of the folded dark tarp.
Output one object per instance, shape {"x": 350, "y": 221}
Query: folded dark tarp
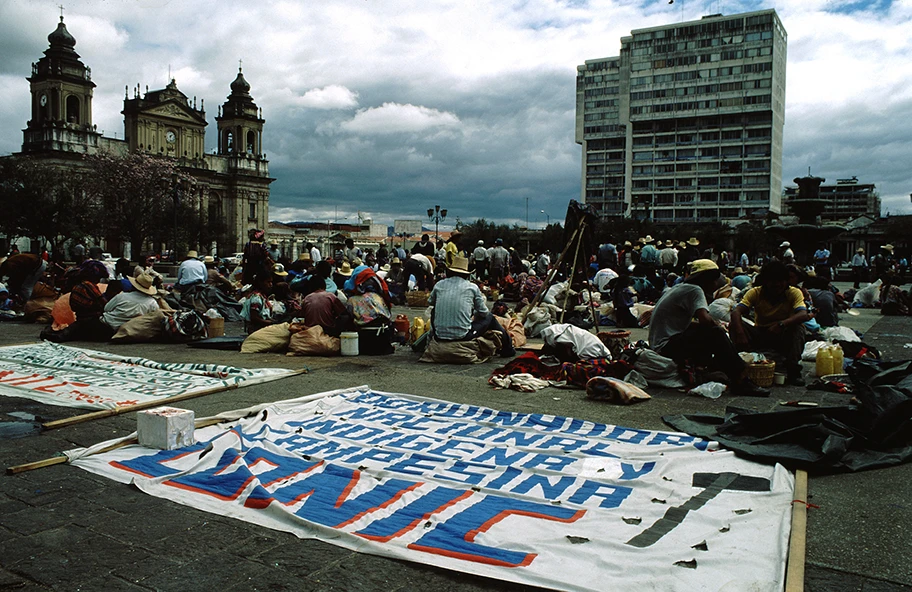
{"x": 870, "y": 431}
{"x": 224, "y": 343}
{"x": 202, "y": 297}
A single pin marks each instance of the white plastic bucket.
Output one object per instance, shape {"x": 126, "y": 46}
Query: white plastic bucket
{"x": 349, "y": 343}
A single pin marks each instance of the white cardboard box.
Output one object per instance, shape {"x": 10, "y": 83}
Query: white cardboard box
{"x": 166, "y": 428}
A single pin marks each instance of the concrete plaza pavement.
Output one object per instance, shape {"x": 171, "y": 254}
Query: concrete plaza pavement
{"x": 65, "y": 529}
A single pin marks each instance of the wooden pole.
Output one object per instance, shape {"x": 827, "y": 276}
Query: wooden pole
{"x": 144, "y": 405}
{"x": 547, "y": 282}
{"x": 794, "y": 573}
{"x": 572, "y": 274}
{"x": 62, "y": 458}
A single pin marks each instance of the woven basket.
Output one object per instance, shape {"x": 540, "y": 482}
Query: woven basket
{"x": 417, "y": 298}
{"x": 615, "y": 341}
{"x": 761, "y": 373}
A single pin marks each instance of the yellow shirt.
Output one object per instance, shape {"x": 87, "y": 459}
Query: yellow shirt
{"x": 769, "y": 313}
{"x": 451, "y": 251}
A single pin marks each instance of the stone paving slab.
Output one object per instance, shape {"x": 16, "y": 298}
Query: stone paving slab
{"x": 58, "y": 516}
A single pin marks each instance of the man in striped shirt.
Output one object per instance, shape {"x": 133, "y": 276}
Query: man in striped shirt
{"x": 460, "y": 311}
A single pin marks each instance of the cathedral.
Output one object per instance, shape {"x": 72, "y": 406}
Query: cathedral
{"x": 231, "y": 184}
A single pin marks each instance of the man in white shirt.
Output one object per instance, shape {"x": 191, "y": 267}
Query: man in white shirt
{"x": 460, "y": 312}
{"x": 480, "y": 259}
{"x": 859, "y": 267}
{"x": 191, "y": 272}
{"x": 315, "y": 254}
{"x": 132, "y": 304}
{"x": 674, "y": 334}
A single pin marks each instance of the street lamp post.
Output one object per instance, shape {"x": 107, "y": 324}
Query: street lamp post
{"x": 435, "y": 215}
{"x": 549, "y": 218}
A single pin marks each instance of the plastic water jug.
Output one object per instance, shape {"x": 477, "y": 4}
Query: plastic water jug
{"x": 838, "y": 359}
{"x": 402, "y": 327}
{"x": 824, "y": 361}
{"x": 418, "y": 328}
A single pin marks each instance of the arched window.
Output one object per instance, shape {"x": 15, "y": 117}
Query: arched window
{"x": 251, "y": 142}
{"x": 229, "y": 142}
{"x": 72, "y": 109}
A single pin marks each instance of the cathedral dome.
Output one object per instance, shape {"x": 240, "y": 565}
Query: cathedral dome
{"x": 61, "y": 36}
{"x": 240, "y": 85}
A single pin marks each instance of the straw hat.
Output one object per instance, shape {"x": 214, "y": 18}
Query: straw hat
{"x": 859, "y": 250}
{"x": 668, "y": 243}
{"x": 192, "y": 255}
{"x": 649, "y": 240}
{"x": 887, "y": 247}
{"x": 385, "y": 267}
{"x": 460, "y": 265}
{"x": 208, "y": 259}
{"x": 279, "y": 269}
{"x": 144, "y": 283}
{"x": 785, "y": 245}
{"x": 693, "y": 242}
{"x": 627, "y": 244}
{"x": 737, "y": 270}
{"x": 304, "y": 257}
{"x": 356, "y": 262}
{"x": 396, "y": 261}
{"x": 346, "y": 269}
{"x": 700, "y": 269}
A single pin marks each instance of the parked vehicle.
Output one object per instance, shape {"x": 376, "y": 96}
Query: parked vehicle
{"x": 235, "y": 259}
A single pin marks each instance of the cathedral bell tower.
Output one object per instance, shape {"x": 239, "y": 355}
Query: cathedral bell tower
{"x": 240, "y": 125}
{"x": 61, "y": 87}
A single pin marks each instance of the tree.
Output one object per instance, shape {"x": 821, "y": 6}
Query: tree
{"x": 43, "y": 199}
{"x": 135, "y": 194}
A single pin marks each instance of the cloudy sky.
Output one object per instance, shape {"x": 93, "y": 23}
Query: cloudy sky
{"x": 389, "y": 107}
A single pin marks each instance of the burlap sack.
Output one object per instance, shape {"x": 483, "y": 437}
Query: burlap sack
{"x": 475, "y": 351}
{"x": 273, "y": 338}
{"x": 312, "y": 341}
{"x": 148, "y": 327}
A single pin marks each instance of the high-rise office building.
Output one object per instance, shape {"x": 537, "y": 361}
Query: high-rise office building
{"x": 686, "y": 124}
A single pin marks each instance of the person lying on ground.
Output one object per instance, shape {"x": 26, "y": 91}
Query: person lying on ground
{"x": 460, "y": 312}
{"x": 779, "y": 315}
{"x": 674, "y": 334}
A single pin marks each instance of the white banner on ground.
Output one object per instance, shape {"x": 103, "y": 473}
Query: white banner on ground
{"x": 536, "y": 499}
{"x": 72, "y": 377}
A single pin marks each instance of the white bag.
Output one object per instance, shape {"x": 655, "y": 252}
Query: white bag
{"x": 810, "y": 350}
{"x": 536, "y": 319}
{"x": 834, "y": 334}
{"x": 869, "y": 294}
{"x": 720, "y": 309}
{"x": 585, "y": 344}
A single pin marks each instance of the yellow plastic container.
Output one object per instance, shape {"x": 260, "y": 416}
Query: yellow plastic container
{"x": 838, "y": 359}
{"x": 418, "y": 328}
{"x": 825, "y": 361}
